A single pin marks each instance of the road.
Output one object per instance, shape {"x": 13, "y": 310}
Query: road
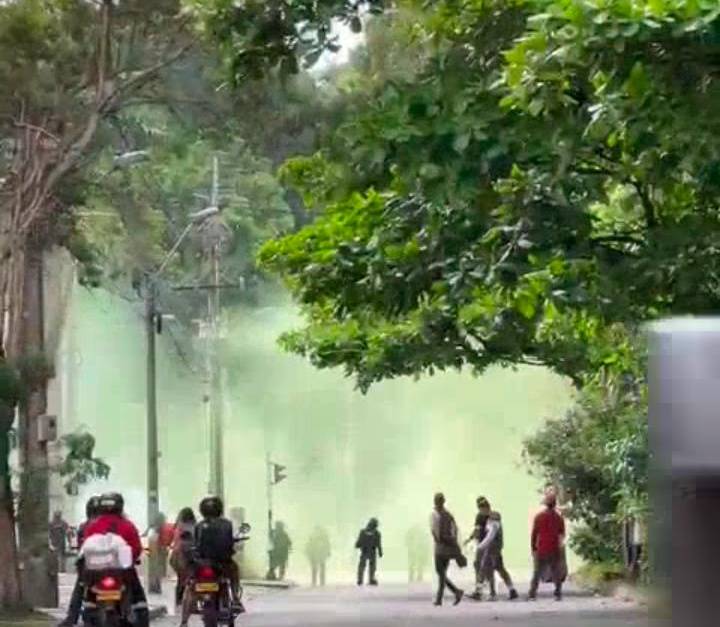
{"x": 403, "y": 606}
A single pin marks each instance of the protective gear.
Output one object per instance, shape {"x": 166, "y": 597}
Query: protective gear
{"x": 92, "y": 507}
{"x": 112, "y": 503}
{"x": 212, "y": 507}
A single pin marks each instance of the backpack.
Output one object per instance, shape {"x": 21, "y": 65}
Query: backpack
{"x": 107, "y": 552}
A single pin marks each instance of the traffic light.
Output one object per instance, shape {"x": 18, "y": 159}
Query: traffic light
{"x": 278, "y": 474}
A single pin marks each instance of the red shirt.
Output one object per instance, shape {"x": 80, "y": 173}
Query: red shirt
{"x": 111, "y": 523}
{"x": 548, "y": 528}
{"x": 166, "y": 535}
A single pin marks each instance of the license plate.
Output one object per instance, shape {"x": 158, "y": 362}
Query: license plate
{"x": 108, "y": 595}
{"x": 207, "y": 587}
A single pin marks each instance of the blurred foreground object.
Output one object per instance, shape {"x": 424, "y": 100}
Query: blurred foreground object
{"x": 684, "y": 386}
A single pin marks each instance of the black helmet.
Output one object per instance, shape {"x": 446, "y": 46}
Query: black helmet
{"x": 212, "y": 507}
{"x": 111, "y": 503}
{"x": 373, "y": 523}
{"x": 92, "y": 507}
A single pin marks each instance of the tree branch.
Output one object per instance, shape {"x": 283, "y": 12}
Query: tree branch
{"x": 648, "y": 207}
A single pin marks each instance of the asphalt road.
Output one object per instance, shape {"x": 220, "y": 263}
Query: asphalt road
{"x": 404, "y": 606}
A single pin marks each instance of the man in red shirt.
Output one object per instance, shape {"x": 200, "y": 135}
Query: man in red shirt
{"x": 112, "y": 519}
{"x": 546, "y": 544}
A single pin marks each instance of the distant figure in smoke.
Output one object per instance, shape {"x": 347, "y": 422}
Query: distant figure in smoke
{"x": 317, "y": 550}
{"x": 488, "y": 556}
{"x": 369, "y": 543}
{"x": 181, "y": 550}
{"x": 445, "y": 534}
{"x": 281, "y": 546}
{"x": 418, "y": 551}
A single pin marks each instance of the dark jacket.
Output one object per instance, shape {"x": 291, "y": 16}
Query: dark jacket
{"x": 369, "y": 542}
{"x": 214, "y": 540}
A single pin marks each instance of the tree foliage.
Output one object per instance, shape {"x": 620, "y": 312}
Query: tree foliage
{"x": 542, "y": 181}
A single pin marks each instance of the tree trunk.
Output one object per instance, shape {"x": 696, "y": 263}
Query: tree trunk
{"x": 10, "y": 591}
{"x": 39, "y": 574}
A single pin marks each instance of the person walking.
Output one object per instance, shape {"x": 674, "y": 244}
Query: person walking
{"x": 445, "y": 535}
{"x": 489, "y": 558}
{"x": 369, "y": 543}
{"x": 317, "y": 550}
{"x": 418, "y": 553}
{"x": 547, "y": 545}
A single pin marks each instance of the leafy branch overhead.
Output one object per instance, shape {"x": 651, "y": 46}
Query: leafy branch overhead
{"x": 542, "y": 180}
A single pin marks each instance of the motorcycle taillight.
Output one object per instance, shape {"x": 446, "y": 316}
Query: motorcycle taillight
{"x": 205, "y": 572}
{"x": 109, "y": 583}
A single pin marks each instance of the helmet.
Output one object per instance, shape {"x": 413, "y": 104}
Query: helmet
{"x": 373, "y": 523}
{"x": 111, "y": 503}
{"x": 211, "y": 507}
{"x": 92, "y": 507}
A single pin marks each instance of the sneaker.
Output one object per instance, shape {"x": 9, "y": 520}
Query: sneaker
{"x": 513, "y": 594}
{"x": 459, "y": 596}
{"x": 437, "y": 603}
{"x": 558, "y": 596}
{"x": 493, "y": 597}
{"x": 532, "y": 597}
{"x": 475, "y": 596}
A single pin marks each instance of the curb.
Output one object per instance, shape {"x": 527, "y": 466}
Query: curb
{"x": 262, "y": 583}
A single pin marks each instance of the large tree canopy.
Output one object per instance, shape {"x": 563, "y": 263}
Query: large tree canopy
{"x": 544, "y": 178}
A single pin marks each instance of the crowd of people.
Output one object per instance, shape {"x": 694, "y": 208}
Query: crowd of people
{"x": 211, "y": 537}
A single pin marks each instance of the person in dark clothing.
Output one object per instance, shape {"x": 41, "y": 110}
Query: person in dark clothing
{"x": 76, "y": 598}
{"x": 59, "y": 530}
{"x": 444, "y": 533}
{"x": 547, "y": 544}
{"x": 281, "y": 545}
{"x": 215, "y": 542}
{"x": 369, "y": 543}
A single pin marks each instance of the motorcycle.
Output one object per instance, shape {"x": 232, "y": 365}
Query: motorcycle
{"x": 211, "y": 590}
{"x": 107, "y": 599}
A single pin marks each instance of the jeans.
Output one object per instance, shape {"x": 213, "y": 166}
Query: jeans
{"x": 442, "y": 564}
{"x": 367, "y": 559}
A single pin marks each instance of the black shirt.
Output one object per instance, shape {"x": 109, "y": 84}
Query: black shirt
{"x": 214, "y": 540}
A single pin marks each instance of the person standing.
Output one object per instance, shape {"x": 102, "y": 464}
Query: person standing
{"x": 489, "y": 558}
{"x": 418, "y": 553}
{"x": 445, "y": 535}
{"x": 318, "y": 553}
{"x": 369, "y": 543}
{"x": 181, "y": 550}
{"x": 547, "y": 545}
{"x": 280, "y": 552}
{"x": 59, "y": 531}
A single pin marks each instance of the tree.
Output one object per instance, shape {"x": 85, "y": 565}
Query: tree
{"x": 70, "y": 66}
{"x": 539, "y": 185}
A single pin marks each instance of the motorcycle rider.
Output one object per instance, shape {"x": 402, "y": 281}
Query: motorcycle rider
{"x": 76, "y": 599}
{"x": 112, "y": 520}
{"x": 215, "y": 542}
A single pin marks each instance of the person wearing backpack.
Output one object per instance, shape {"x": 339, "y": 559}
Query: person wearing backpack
{"x": 112, "y": 522}
{"x": 445, "y": 534}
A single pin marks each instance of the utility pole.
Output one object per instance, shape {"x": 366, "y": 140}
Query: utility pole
{"x": 215, "y": 401}
{"x": 151, "y": 314}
